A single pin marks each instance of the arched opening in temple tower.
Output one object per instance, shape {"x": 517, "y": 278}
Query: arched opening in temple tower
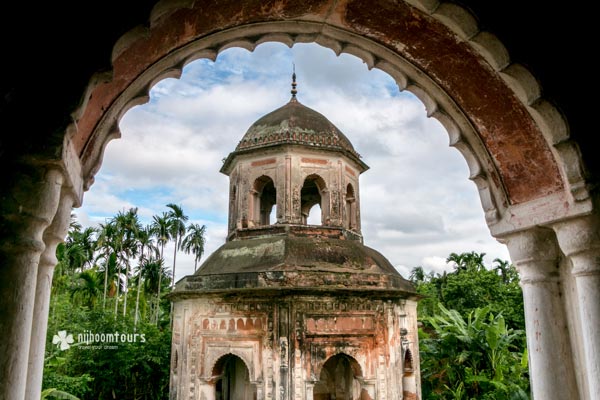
{"x": 350, "y": 207}
{"x": 409, "y": 382}
{"x": 233, "y": 379}
{"x": 233, "y": 207}
{"x": 264, "y": 200}
{"x": 339, "y": 379}
{"x": 313, "y": 198}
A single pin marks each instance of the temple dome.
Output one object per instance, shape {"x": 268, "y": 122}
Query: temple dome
{"x": 294, "y": 123}
{"x": 296, "y": 262}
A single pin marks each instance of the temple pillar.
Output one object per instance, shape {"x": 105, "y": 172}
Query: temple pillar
{"x": 579, "y": 240}
{"x": 54, "y": 235}
{"x": 30, "y": 210}
{"x": 535, "y": 254}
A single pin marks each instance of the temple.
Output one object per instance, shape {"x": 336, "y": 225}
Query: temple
{"x": 294, "y": 306}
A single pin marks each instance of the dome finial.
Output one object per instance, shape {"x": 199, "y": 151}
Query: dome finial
{"x": 294, "y": 91}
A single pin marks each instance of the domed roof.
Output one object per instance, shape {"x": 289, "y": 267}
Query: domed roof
{"x": 295, "y": 123}
{"x": 295, "y": 263}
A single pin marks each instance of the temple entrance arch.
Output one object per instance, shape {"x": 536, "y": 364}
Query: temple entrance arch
{"x": 338, "y": 379}
{"x": 232, "y": 379}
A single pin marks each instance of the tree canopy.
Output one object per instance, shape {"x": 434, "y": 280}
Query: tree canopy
{"x": 112, "y": 278}
{"x": 472, "y": 335}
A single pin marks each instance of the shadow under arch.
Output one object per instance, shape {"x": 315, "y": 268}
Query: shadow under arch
{"x": 339, "y": 378}
{"x": 231, "y": 377}
{"x": 350, "y": 214}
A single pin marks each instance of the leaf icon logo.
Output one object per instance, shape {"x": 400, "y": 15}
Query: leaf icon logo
{"x": 63, "y": 340}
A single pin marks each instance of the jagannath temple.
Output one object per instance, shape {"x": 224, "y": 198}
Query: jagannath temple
{"x": 288, "y": 308}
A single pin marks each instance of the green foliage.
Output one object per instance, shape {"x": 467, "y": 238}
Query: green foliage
{"x": 137, "y": 370}
{"x": 87, "y": 288}
{"x": 476, "y": 358}
{"x": 471, "y": 285}
{"x": 99, "y": 272}
{"x": 79, "y": 385}
{"x": 56, "y": 377}
{"x": 472, "y": 340}
{"x": 133, "y": 370}
{"x": 57, "y": 394}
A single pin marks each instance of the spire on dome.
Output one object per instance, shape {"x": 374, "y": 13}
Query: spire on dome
{"x": 294, "y": 91}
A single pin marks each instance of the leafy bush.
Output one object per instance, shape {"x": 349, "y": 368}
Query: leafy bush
{"x": 477, "y": 358}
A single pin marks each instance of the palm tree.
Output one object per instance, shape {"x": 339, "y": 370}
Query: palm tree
{"x": 73, "y": 224}
{"x": 106, "y": 245}
{"x": 466, "y": 261}
{"x": 154, "y": 273}
{"x": 162, "y": 231}
{"x": 194, "y": 242}
{"x": 502, "y": 268}
{"x": 118, "y": 243}
{"x": 71, "y": 257}
{"x": 439, "y": 283}
{"x": 129, "y": 226}
{"x": 458, "y": 260}
{"x": 87, "y": 287}
{"x": 145, "y": 241}
{"x": 151, "y": 272}
{"x": 177, "y": 221}
{"x": 86, "y": 239}
{"x": 417, "y": 274}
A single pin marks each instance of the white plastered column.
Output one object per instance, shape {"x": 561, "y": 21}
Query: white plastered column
{"x": 34, "y": 204}
{"x": 579, "y": 240}
{"x": 535, "y": 254}
{"x": 54, "y": 235}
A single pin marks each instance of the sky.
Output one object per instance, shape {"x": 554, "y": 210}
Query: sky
{"x": 417, "y": 204}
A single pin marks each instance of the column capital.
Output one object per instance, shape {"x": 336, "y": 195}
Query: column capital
{"x": 535, "y": 254}
{"x": 579, "y": 239}
{"x": 57, "y": 231}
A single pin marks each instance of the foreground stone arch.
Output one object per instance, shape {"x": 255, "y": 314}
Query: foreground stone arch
{"x": 530, "y": 175}
{"x": 507, "y": 142}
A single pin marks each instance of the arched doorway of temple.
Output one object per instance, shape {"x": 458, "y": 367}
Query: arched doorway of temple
{"x": 233, "y": 379}
{"x": 338, "y": 379}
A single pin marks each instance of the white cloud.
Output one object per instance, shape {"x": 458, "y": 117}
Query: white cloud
{"x": 436, "y": 264}
{"x": 417, "y": 204}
